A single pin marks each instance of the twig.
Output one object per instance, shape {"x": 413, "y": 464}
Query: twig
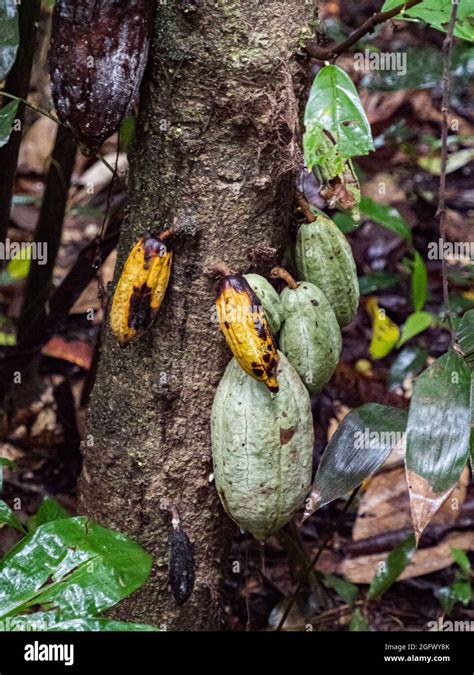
{"x": 328, "y": 53}
{"x": 441, "y": 211}
{"x": 281, "y": 273}
{"x": 318, "y": 554}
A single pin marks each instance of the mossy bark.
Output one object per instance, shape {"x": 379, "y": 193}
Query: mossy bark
{"x": 215, "y": 154}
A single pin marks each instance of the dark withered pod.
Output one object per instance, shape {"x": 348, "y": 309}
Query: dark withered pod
{"x": 99, "y": 49}
{"x": 181, "y": 567}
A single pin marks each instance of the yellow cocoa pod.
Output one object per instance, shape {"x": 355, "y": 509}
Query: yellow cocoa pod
{"x": 140, "y": 289}
{"x": 245, "y": 327}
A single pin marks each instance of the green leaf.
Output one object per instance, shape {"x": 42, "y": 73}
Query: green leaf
{"x": 415, "y": 324}
{"x": 7, "y": 117}
{"x": 358, "y": 622}
{"x": 387, "y": 216}
{"x": 419, "y": 282}
{"x": 447, "y": 598}
{"x": 465, "y": 337}
{"x": 7, "y": 517}
{"x": 73, "y": 565}
{"x": 360, "y": 445}
{"x": 460, "y": 557}
{"x": 4, "y": 462}
{"x": 438, "y": 434}
{"x": 19, "y": 266}
{"x": 345, "y": 222}
{"x": 334, "y": 107}
{"x": 389, "y": 570}
{"x": 48, "y": 511}
{"x": 52, "y": 622}
{"x": 377, "y": 281}
{"x": 436, "y": 13}
{"x": 9, "y": 36}
{"x": 462, "y": 590}
{"x": 456, "y": 160}
{"x": 410, "y": 361}
{"x": 471, "y": 442}
{"x": 345, "y": 589}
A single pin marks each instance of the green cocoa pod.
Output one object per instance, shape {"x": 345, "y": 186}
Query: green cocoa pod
{"x": 324, "y": 258}
{"x": 310, "y": 336}
{"x": 269, "y": 298}
{"x": 262, "y": 448}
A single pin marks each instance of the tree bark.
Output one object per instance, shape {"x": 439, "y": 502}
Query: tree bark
{"x": 215, "y": 154}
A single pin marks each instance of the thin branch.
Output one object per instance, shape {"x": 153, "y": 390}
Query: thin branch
{"x": 316, "y": 558}
{"x": 328, "y": 53}
{"x": 441, "y": 210}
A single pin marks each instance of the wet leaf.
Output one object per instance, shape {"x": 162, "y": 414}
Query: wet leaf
{"x": 465, "y": 337}
{"x": 7, "y": 517}
{"x": 385, "y": 333}
{"x": 437, "y": 436}
{"x": 53, "y": 622}
{"x": 358, "y": 448}
{"x": 358, "y": 622}
{"x": 334, "y": 108}
{"x": 387, "y": 216}
{"x": 377, "y": 281}
{"x": 389, "y": 570}
{"x": 415, "y": 324}
{"x": 410, "y": 361}
{"x": 73, "y": 565}
{"x": 419, "y": 282}
{"x": 436, "y": 13}
{"x": 7, "y": 117}
{"x": 9, "y": 36}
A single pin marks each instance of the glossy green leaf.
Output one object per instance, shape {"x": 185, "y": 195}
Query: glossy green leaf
{"x": 345, "y": 589}
{"x": 377, "y": 281}
{"x": 358, "y": 448}
{"x": 9, "y": 36}
{"x": 436, "y": 13}
{"x": 419, "y": 282}
{"x": 7, "y": 117}
{"x": 387, "y": 216}
{"x": 389, "y": 570}
{"x": 7, "y": 517}
{"x": 410, "y": 361}
{"x": 53, "y": 622}
{"x": 334, "y": 107}
{"x": 358, "y": 622}
{"x": 465, "y": 337}
{"x": 415, "y": 324}
{"x": 73, "y": 565}
{"x": 48, "y": 510}
{"x": 460, "y": 557}
{"x": 438, "y": 434}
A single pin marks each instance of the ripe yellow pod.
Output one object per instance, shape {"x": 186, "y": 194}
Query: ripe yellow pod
{"x": 245, "y": 327}
{"x": 140, "y": 289}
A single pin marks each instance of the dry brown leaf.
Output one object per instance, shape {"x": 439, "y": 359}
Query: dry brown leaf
{"x": 97, "y": 177}
{"x": 361, "y": 570}
{"x": 384, "y": 189}
{"x": 425, "y": 110}
{"x": 74, "y": 351}
{"x": 380, "y": 106}
{"x": 385, "y": 506}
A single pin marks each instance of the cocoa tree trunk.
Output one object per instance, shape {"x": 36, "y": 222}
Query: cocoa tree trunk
{"x": 215, "y": 153}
